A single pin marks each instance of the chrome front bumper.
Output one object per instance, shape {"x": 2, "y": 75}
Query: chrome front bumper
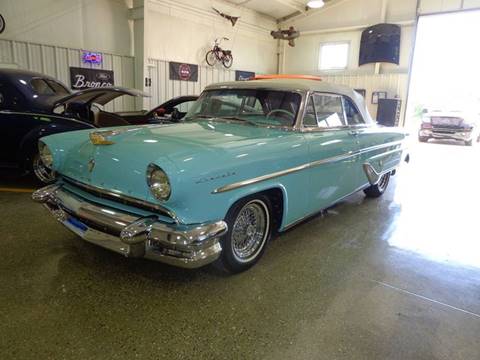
{"x": 187, "y": 246}
{"x": 454, "y": 135}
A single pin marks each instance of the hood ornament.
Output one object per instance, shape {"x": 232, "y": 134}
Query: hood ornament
{"x": 100, "y": 137}
{"x": 97, "y": 138}
{"x": 90, "y": 165}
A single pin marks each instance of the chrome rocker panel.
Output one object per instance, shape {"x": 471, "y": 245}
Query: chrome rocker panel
{"x": 187, "y": 246}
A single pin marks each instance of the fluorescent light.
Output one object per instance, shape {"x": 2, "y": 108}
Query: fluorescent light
{"x": 315, "y": 4}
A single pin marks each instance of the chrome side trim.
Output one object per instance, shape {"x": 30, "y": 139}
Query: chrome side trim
{"x": 372, "y": 174}
{"x": 121, "y": 197}
{"x": 320, "y": 162}
{"x": 259, "y": 179}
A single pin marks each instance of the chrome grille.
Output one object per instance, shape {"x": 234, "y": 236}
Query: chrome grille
{"x": 119, "y": 198}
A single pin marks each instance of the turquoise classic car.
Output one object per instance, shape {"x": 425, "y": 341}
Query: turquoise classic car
{"x": 250, "y": 159}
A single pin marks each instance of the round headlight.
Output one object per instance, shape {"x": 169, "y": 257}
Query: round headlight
{"x": 45, "y": 154}
{"x": 158, "y": 182}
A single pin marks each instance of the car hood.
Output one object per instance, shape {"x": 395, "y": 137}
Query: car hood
{"x": 193, "y": 152}
{"x": 102, "y": 95}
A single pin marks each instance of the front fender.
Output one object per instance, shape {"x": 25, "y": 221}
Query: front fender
{"x": 29, "y": 143}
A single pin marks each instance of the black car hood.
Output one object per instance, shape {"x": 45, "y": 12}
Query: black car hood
{"x": 100, "y": 96}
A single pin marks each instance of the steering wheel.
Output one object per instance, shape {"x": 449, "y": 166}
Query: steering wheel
{"x": 285, "y": 112}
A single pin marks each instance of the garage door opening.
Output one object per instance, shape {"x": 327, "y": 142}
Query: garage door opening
{"x": 438, "y": 194}
{"x": 445, "y": 72}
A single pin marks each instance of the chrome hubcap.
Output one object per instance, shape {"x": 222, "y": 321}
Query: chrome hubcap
{"x": 250, "y": 231}
{"x": 42, "y": 173}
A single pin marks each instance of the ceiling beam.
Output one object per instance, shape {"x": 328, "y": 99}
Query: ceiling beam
{"x": 328, "y": 5}
{"x": 293, "y": 5}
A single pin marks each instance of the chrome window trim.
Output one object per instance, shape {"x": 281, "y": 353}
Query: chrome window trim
{"x": 243, "y": 183}
{"x": 344, "y": 97}
{"x": 128, "y": 199}
{"x": 308, "y": 129}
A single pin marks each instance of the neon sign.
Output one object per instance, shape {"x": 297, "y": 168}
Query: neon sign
{"x": 89, "y": 57}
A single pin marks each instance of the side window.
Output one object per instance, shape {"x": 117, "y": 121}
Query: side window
{"x": 353, "y": 116}
{"x": 57, "y": 87}
{"x": 310, "y": 119}
{"x": 41, "y": 87}
{"x": 329, "y": 110}
{"x": 185, "y": 106}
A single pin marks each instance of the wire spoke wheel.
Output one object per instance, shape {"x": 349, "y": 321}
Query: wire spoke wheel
{"x": 227, "y": 60}
{"x": 211, "y": 58}
{"x": 250, "y": 230}
{"x": 42, "y": 173}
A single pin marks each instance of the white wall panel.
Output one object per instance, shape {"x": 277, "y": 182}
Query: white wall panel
{"x": 163, "y": 88}
{"x": 56, "y": 61}
{"x": 101, "y": 25}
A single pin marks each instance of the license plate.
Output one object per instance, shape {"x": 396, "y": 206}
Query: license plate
{"x": 77, "y": 224}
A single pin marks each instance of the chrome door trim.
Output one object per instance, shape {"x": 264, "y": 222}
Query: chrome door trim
{"x": 308, "y": 165}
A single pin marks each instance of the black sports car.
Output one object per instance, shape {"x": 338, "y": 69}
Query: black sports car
{"x": 33, "y": 105}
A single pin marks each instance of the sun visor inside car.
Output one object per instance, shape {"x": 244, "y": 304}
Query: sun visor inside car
{"x": 380, "y": 43}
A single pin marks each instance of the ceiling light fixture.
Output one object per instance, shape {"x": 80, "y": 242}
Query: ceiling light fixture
{"x": 315, "y": 4}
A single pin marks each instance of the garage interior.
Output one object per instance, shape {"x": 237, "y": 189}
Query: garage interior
{"x": 396, "y": 277}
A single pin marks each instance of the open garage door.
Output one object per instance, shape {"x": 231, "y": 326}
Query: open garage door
{"x": 440, "y": 192}
{"x": 444, "y": 92}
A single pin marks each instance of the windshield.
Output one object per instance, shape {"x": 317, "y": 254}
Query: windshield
{"x": 252, "y": 106}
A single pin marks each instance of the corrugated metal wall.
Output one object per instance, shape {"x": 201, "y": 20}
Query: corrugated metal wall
{"x": 56, "y": 61}
{"x": 393, "y": 84}
{"x": 163, "y": 88}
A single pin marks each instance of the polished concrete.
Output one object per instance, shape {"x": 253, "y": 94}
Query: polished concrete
{"x": 392, "y": 278}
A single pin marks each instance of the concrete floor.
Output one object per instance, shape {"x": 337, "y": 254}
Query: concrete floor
{"x": 394, "y": 278}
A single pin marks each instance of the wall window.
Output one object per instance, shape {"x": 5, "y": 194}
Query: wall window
{"x": 333, "y": 56}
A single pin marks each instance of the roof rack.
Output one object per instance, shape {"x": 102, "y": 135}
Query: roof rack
{"x": 286, "y": 76}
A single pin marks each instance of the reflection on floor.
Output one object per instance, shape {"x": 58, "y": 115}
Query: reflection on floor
{"x": 438, "y": 204}
{"x": 390, "y": 278}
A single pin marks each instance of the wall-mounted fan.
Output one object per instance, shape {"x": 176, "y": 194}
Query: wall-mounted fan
{"x": 2, "y": 24}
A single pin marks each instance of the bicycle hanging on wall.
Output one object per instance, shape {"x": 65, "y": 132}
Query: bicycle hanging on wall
{"x": 218, "y": 54}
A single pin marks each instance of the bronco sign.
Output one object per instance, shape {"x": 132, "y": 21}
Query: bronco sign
{"x": 81, "y": 78}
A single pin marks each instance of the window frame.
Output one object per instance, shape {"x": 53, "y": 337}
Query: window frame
{"x": 298, "y": 118}
{"x": 323, "y": 44}
{"x": 364, "y": 124}
{"x": 347, "y": 126}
